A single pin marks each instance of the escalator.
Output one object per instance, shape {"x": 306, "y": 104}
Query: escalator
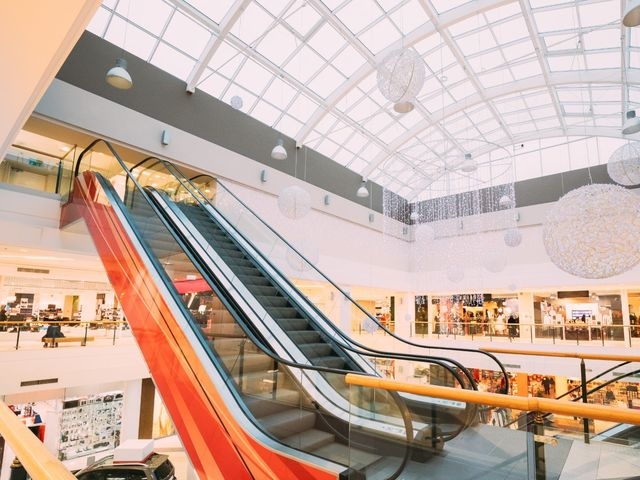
{"x": 245, "y": 403}
{"x": 285, "y": 312}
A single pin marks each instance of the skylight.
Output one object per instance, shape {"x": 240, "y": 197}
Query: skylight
{"x": 495, "y": 72}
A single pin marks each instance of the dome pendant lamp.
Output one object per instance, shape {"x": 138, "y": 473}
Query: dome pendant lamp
{"x": 631, "y": 17}
{"x": 631, "y": 124}
{"x": 362, "y": 190}
{"x": 279, "y": 152}
{"x": 118, "y": 76}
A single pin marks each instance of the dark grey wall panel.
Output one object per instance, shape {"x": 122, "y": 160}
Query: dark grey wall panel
{"x": 163, "y": 97}
{"x": 159, "y": 95}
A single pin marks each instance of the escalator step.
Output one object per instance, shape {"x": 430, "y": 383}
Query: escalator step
{"x": 339, "y": 453}
{"x": 286, "y": 313}
{"x": 263, "y": 290}
{"x": 275, "y": 301}
{"x": 289, "y": 324}
{"x": 330, "y": 361}
{"x": 289, "y": 422}
{"x": 304, "y": 336}
{"x": 315, "y": 350}
{"x": 309, "y": 440}
{"x": 264, "y": 404}
{"x": 250, "y": 362}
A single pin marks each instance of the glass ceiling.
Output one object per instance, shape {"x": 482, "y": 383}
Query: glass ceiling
{"x": 527, "y": 87}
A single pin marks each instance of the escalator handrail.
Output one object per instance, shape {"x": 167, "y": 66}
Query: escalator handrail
{"x": 528, "y": 404}
{"x": 589, "y": 392}
{"x": 339, "y": 332}
{"x": 105, "y": 183}
{"x": 346, "y": 295}
{"x": 440, "y": 361}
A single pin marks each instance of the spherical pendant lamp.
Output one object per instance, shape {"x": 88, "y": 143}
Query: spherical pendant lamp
{"x": 401, "y": 77}
{"x": 624, "y": 164}
{"x": 594, "y": 231}
{"x": 294, "y": 202}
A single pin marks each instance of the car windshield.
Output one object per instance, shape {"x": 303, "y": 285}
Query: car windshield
{"x": 164, "y": 471}
{"x": 116, "y": 474}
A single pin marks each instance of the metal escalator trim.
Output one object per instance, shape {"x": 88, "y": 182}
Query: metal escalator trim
{"x": 147, "y": 313}
{"x": 179, "y": 218}
{"x": 182, "y": 373}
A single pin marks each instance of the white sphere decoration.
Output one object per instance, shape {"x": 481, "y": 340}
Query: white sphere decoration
{"x": 624, "y": 164}
{"x": 401, "y": 75}
{"x": 455, "y": 273}
{"x": 512, "y": 237}
{"x": 505, "y": 201}
{"x": 294, "y": 202}
{"x": 236, "y": 102}
{"x": 593, "y": 231}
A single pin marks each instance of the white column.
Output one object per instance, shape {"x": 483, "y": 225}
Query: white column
{"x": 404, "y": 314}
{"x": 626, "y": 322}
{"x": 131, "y": 410}
{"x": 525, "y": 305}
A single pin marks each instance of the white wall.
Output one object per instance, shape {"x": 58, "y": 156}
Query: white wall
{"x": 353, "y": 251}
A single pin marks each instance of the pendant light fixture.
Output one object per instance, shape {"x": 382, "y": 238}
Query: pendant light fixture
{"x": 279, "y": 152}
{"x": 631, "y": 17}
{"x": 362, "y": 190}
{"x": 631, "y": 124}
{"x": 468, "y": 165}
{"x": 118, "y": 76}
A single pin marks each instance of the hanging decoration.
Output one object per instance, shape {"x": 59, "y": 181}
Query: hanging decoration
{"x": 512, "y": 237}
{"x": 594, "y": 231}
{"x": 506, "y": 202}
{"x": 294, "y": 202}
{"x": 624, "y": 164}
{"x": 401, "y": 77}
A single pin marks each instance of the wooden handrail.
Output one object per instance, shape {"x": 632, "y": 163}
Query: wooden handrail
{"x": 529, "y": 404}
{"x": 581, "y": 355}
{"x": 39, "y": 462}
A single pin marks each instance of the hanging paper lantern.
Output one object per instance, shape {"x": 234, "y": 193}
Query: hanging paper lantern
{"x": 294, "y": 202}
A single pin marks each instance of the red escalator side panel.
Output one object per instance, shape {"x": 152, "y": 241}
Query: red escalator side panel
{"x": 217, "y": 445}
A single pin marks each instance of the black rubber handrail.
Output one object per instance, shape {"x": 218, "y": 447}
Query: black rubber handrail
{"x": 345, "y": 294}
{"x": 107, "y": 187}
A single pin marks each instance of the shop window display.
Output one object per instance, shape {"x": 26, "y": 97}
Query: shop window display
{"x": 90, "y": 424}
{"x": 579, "y": 318}
{"x": 476, "y": 314}
{"x": 421, "y": 315}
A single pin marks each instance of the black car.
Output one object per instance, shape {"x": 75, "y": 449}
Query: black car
{"x": 156, "y": 467}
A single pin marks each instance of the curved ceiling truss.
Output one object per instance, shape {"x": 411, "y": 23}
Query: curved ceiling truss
{"x": 498, "y": 73}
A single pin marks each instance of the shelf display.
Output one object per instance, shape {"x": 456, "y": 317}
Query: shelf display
{"x": 90, "y": 424}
